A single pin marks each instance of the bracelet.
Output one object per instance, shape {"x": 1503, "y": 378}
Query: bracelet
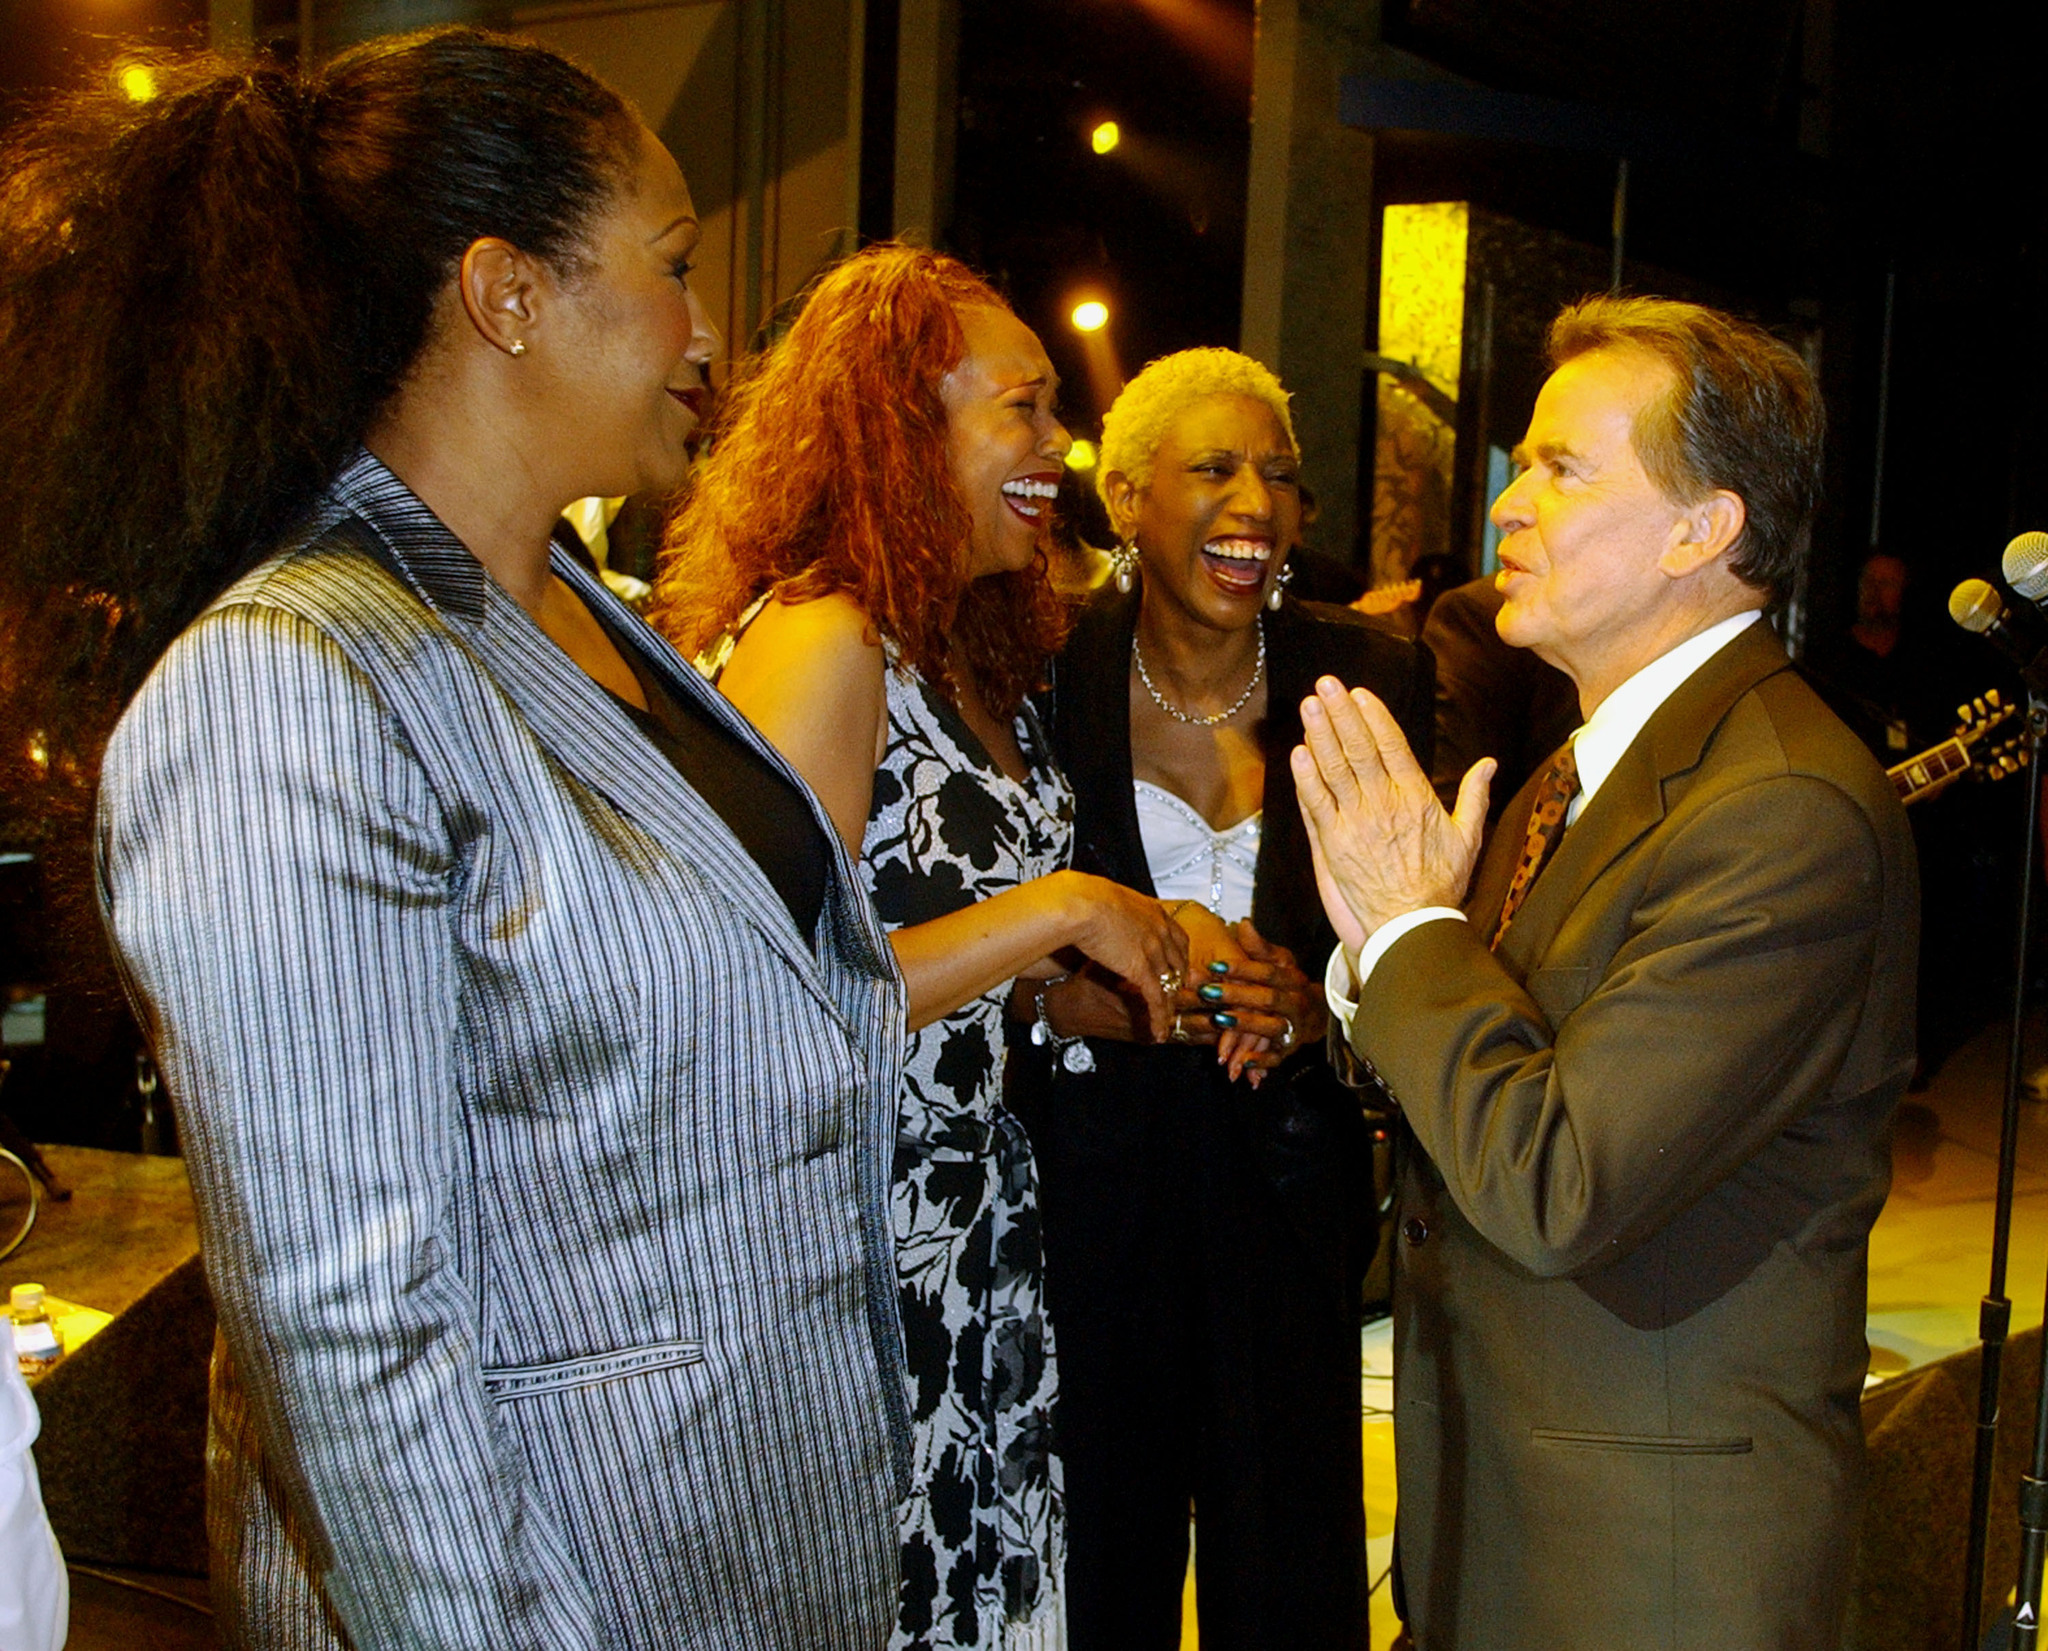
{"x": 1072, "y": 1053}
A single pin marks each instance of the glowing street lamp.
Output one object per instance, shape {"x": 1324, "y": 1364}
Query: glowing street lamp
{"x": 1090, "y": 318}
{"x": 1105, "y": 137}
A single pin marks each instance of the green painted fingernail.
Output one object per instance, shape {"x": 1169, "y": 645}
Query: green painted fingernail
{"x": 1219, "y": 967}
{"x": 1213, "y": 993}
{"x": 1223, "y": 1018}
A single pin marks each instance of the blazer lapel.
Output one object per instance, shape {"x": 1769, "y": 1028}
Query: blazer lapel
{"x": 1629, "y": 802}
{"x": 586, "y": 732}
{"x": 1285, "y": 881}
{"x": 1092, "y": 731}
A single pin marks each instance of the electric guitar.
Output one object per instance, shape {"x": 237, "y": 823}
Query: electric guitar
{"x": 1935, "y": 769}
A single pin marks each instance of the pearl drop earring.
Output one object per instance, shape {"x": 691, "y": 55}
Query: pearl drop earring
{"x": 1123, "y": 562}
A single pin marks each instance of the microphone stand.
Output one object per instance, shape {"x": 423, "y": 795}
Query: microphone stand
{"x": 1995, "y": 1311}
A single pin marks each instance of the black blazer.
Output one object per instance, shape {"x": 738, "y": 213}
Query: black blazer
{"x": 1088, "y": 718}
{"x": 1301, "y": 1132}
{"x": 1492, "y": 700}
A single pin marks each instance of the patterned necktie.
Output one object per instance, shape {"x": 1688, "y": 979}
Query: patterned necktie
{"x": 1554, "y": 793}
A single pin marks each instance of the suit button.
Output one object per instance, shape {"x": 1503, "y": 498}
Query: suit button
{"x": 1415, "y": 1229}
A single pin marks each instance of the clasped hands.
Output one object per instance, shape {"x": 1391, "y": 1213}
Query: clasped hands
{"x": 1247, "y": 995}
{"x": 1243, "y": 995}
{"x": 1382, "y": 843}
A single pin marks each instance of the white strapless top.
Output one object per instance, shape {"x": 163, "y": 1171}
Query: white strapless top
{"x": 1191, "y": 861}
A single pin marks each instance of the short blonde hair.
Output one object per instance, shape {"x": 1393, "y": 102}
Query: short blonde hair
{"x": 1137, "y": 423}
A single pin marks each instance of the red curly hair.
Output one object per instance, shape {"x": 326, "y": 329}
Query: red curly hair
{"x": 828, "y": 471}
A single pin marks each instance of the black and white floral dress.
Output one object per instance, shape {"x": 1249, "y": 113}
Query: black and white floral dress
{"x": 984, "y": 1535}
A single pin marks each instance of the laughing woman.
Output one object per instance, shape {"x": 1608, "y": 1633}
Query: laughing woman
{"x": 861, "y": 562}
{"x": 1205, "y": 1237}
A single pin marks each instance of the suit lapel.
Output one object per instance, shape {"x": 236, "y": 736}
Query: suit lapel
{"x": 587, "y": 733}
{"x": 1092, "y": 730}
{"x": 1298, "y": 650}
{"x": 1628, "y": 803}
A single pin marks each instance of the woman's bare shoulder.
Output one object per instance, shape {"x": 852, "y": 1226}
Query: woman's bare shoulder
{"x": 832, "y": 621}
{"x": 822, "y": 654}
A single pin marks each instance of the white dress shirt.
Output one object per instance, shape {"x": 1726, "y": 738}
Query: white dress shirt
{"x": 1597, "y": 745}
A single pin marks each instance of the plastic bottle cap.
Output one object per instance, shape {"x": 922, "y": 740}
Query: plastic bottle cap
{"x": 25, "y": 1298}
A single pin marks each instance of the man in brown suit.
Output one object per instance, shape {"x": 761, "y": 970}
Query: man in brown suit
{"x": 1647, "y": 1070}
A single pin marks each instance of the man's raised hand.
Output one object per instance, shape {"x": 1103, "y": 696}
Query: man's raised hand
{"x": 1383, "y": 844}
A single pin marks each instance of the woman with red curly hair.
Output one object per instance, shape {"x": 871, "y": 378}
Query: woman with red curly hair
{"x": 861, "y": 564}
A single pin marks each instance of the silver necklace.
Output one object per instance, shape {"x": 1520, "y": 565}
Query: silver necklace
{"x": 1174, "y": 711}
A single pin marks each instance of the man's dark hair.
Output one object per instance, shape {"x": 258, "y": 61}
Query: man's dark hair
{"x": 1743, "y": 414}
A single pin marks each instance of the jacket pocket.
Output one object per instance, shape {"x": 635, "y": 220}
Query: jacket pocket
{"x": 1643, "y": 1444}
{"x": 522, "y": 1381}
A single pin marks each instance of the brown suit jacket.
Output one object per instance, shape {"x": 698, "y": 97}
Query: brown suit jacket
{"x": 1652, "y": 1136}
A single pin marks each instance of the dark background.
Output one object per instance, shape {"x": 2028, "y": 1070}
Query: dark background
{"x": 1807, "y": 155}
{"x": 1922, "y": 161}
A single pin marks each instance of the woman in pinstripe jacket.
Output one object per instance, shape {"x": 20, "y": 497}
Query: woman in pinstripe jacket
{"x": 535, "y": 1050}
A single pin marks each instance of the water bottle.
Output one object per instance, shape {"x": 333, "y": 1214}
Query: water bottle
{"x": 36, "y": 1347}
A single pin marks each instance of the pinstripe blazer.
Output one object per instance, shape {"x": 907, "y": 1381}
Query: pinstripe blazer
{"x": 541, "y": 1164}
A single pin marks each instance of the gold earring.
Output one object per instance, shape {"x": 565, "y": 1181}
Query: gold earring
{"x": 516, "y": 347}
{"x": 1123, "y": 565}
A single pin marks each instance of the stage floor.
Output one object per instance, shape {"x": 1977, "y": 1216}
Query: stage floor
{"x": 1930, "y": 1253}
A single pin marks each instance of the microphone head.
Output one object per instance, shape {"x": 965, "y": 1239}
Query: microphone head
{"x": 2025, "y": 565}
{"x": 1975, "y": 606}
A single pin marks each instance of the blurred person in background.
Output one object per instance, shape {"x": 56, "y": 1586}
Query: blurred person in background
{"x": 35, "y": 1591}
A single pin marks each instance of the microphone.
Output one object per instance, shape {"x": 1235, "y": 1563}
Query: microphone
{"x": 2016, "y": 633}
{"x": 2025, "y": 566}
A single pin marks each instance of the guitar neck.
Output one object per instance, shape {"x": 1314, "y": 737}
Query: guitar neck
{"x": 1920, "y": 776}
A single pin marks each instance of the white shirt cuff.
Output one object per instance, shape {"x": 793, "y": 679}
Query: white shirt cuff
{"x": 1343, "y": 979}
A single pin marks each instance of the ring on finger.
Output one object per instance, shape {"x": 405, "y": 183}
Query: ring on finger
{"x": 1169, "y": 981}
{"x": 1286, "y": 1039}
{"x": 1180, "y": 1032}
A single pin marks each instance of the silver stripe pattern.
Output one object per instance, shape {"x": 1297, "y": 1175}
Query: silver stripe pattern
{"x": 542, "y": 1166}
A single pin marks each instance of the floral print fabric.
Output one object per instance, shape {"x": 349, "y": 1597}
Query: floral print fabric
{"x": 983, "y": 1530}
